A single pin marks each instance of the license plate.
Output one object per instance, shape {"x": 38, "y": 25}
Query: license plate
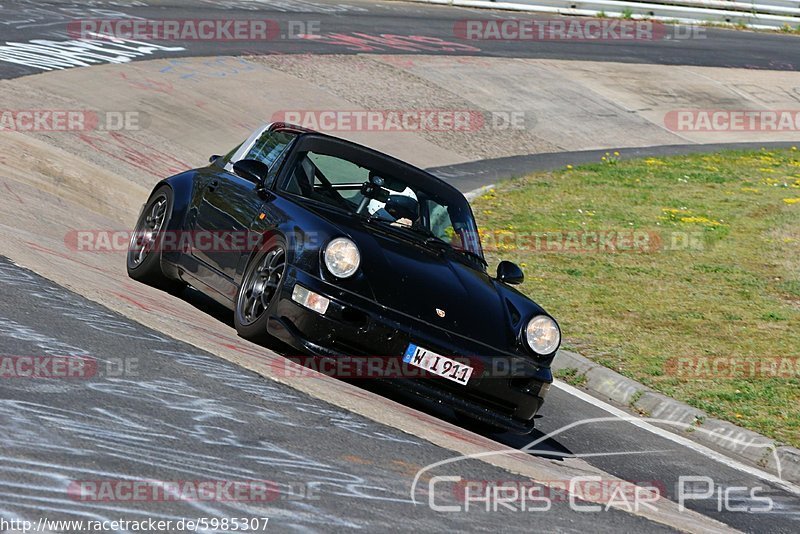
{"x": 437, "y": 364}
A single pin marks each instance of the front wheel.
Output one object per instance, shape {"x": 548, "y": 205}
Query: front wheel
{"x": 144, "y": 252}
{"x": 260, "y": 287}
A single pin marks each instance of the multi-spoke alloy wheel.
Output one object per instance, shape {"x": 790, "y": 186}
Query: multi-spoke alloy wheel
{"x": 145, "y": 236}
{"x": 144, "y": 251}
{"x": 262, "y": 285}
{"x": 259, "y": 289}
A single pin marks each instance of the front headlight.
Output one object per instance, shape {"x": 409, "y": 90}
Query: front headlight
{"x": 542, "y": 335}
{"x": 342, "y": 257}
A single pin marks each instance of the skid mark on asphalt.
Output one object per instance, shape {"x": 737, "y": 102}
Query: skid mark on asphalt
{"x": 365, "y": 42}
{"x": 11, "y": 190}
{"x": 135, "y": 153}
{"x": 148, "y": 84}
{"x": 209, "y": 334}
{"x": 193, "y": 417}
{"x": 176, "y": 412}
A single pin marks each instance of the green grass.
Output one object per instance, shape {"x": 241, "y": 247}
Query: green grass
{"x": 718, "y": 276}
{"x": 570, "y": 376}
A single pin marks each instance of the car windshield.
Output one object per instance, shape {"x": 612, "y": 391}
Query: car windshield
{"x": 423, "y": 208}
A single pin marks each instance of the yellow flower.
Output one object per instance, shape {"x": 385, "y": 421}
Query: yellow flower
{"x": 699, "y": 220}
{"x": 794, "y": 148}
{"x": 616, "y": 153}
{"x": 791, "y": 200}
{"x": 569, "y": 167}
{"x": 749, "y": 190}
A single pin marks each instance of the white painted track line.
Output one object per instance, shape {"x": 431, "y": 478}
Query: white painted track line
{"x": 675, "y": 438}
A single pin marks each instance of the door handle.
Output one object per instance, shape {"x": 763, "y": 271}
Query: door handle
{"x": 213, "y": 185}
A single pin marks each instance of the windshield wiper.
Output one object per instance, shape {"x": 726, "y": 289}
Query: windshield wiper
{"x": 429, "y": 238}
{"x": 461, "y": 250}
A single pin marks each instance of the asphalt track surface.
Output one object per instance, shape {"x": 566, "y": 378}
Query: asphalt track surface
{"x": 361, "y": 27}
{"x": 473, "y": 175}
{"x": 162, "y": 410}
{"x": 187, "y": 414}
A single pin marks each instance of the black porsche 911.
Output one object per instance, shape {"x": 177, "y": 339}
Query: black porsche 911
{"x": 344, "y": 252}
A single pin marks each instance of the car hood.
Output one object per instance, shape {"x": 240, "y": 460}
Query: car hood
{"x": 434, "y": 287}
{"x": 404, "y": 275}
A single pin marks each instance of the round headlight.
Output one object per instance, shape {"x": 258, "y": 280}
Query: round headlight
{"x": 342, "y": 257}
{"x": 542, "y": 335}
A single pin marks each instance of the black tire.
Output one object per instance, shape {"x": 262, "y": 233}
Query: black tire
{"x": 144, "y": 252}
{"x": 261, "y": 285}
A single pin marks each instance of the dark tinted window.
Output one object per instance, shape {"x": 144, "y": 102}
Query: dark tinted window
{"x": 270, "y": 146}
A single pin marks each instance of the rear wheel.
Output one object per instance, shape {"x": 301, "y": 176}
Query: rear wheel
{"x": 260, "y": 287}
{"x": 144, "y": 251}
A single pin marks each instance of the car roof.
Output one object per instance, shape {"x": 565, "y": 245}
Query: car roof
{"x": 374, "y": 158}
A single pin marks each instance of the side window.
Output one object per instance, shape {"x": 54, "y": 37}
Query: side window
{"x": 269, "y": 147}
{"x": 441, "y": 225}
{"x": 337, "y": 170}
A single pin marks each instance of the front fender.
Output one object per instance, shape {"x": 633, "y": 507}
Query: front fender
{"x": 298, "y": 243}
{"x": 183, "y": 193}
{"x": 526, "y": 309}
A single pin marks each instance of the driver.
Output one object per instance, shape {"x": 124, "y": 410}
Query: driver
{"x": 402, "y": 208}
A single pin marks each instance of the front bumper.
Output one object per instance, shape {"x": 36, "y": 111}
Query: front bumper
{"x": 357, "y": 327}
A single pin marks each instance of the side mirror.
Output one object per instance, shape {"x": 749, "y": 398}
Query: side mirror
{"x": 509, "y": 273}
{"x": 251, "y": 169}
{"x": 214, "y": 158}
